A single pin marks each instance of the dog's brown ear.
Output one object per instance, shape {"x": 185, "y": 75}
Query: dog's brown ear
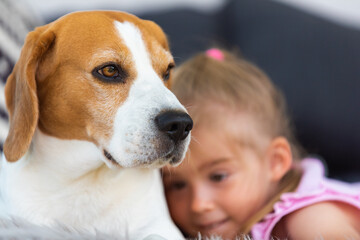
{"x": 21, "y": 96}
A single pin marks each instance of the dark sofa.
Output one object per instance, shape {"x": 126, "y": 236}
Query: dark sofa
{"x": 314, "y": 61}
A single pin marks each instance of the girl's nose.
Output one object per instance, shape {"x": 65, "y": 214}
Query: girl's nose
{"x": 202, "y": 200}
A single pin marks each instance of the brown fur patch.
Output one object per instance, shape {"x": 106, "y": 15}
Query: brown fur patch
{"x": 73, "y": 104}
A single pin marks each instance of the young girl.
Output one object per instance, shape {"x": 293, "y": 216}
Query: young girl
{"x": 243, "y": 173}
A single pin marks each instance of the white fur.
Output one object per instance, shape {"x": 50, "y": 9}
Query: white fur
{"x": 64, "y": 181}
{"x": 134, "y": 127}
{"x": 67, "y": 182}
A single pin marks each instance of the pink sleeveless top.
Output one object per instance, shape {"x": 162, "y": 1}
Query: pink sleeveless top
{"x": 314, "y": 187}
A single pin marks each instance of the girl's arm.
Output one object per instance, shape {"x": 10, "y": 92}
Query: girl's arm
{"x": 326, "y": 220}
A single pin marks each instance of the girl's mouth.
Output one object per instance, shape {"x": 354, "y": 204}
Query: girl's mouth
{"x": 212, "y": 225}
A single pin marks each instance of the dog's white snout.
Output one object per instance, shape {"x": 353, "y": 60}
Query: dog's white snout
{"x": 176, "y": 125}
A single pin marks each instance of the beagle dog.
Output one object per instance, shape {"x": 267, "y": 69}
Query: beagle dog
{"x": 91, "y": 123}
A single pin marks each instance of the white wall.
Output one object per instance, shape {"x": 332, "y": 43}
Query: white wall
{"x": 50, "y": 8}
{"x": 346, "y": 12}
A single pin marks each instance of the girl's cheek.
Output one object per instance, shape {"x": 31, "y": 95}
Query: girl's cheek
{"x": 176, "y": 198}
{"x": 174, "y": 206}
{"x": 178, "y": 208}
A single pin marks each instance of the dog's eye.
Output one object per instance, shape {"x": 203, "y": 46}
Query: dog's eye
{"x": 110, "y": 72}
{"x": 167, "y": 73}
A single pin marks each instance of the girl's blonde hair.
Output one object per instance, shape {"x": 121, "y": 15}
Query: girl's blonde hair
{"x": 241, "y": 86}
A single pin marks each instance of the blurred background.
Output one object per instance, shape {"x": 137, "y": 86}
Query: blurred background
{"x": 309, "y": 48}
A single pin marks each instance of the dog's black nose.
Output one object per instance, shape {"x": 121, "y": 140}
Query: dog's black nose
{"x": 176, "y": 125}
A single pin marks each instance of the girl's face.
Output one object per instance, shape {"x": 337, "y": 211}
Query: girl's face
{"x": 218, "y": 187}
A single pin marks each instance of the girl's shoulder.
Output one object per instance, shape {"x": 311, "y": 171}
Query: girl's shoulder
{"x": 314, "y": 192}
{"x": 323, "y": 220}
{"x": 331, "y": 208}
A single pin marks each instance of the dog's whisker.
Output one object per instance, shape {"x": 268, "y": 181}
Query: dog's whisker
{"x": 180, "y": 58}
{"x": 194, "y": 139}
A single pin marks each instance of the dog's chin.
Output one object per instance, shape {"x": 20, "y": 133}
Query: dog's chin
{"x": 170, "y": 159}
{"x": 173, "y": 158}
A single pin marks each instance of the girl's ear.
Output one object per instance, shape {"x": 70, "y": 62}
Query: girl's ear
{"x": 280, "y": 158}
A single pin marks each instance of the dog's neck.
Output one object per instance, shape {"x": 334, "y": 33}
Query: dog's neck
{"x": 70, "y": 175}
{"x": 68, "y": 159}
{"x": 61, "y": 163}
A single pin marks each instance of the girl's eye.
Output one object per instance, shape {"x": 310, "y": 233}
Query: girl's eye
{"x": 179, "y": 185}
{"x": 218, "y": 177}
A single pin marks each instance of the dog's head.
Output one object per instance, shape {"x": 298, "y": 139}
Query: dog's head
{"x": 101, "y": 77}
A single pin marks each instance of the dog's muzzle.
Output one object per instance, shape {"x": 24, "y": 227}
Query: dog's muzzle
{"x": 164, "y": 142}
